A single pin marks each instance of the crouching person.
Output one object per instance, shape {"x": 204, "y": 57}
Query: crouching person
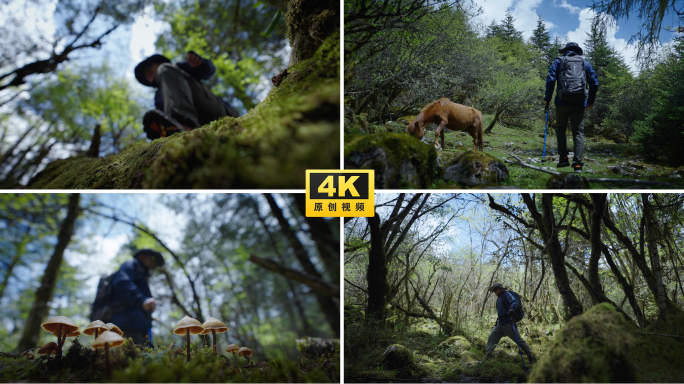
{"x": 506, "y": 304}
{"x": 183, "y": 103}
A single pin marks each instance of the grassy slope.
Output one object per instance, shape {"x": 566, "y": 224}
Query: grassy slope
{"x": 294, "y": 129}
{"x": 529, "y": 144}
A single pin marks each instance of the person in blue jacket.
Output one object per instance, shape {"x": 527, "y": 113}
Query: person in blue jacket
{"x": 182, "y": 102}
{"x": 505, "y": 306}
{"x": 133, "y": 301}
{"x": 574, "y": 111}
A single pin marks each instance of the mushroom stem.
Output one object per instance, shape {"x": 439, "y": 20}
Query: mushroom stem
{"x": 96, "y": 334}
{"x": 109, "y": 370}
{"x": 187, "y": 336}
{"x": 60, "y": 342}
{"x": 213, "y": 332}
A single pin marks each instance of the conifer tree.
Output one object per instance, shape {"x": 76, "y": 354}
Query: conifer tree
{"x": 508, "y": 31}
{"x": 541, "y": 39}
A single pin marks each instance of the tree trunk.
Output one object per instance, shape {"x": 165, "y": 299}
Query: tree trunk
{"x": 330, "y": 308}
{"x": 376, "y": 275}
{"x": 309, "y": 22}
{"x": 599, "y": 200}
{"x": 496, "y": 117}
{"x": 546, "y": 224}
{"x": 39, "y": 309}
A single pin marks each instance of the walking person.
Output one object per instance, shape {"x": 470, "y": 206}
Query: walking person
{"x": 573, "y": 73}
{"x": 506, "y": 304}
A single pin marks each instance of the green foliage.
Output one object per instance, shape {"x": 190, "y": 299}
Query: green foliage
{"x": 245, "y": 41}
{"x": 660, "y": 134}
{"x": 505, "y": 30}
{"x": 80, "y": 98}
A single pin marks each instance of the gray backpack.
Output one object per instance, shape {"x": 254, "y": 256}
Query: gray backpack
{"x": 572, "y": 80}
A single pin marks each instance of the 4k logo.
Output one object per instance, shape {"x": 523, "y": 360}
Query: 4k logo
{"x": 339, "y": 193}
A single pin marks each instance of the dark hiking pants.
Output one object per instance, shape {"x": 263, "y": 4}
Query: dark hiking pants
{"x": 501, "y": 330}
{"x": 137, "y": 336}
{"x": 576, "y": 117}
{"x": 186, "y": 99}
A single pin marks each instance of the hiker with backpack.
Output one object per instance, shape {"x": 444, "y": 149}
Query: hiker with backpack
{"x": 124, "y": 297}
{"x": 573, "y": 73}
{"x": 182, "y": 102}
{"x": 509, "y": 310}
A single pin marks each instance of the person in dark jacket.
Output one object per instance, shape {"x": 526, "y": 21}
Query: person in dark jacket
{"x": 182, "y": 102}
{"x": 570, "y": 110}
{"x": 506, "y": 304}
{"x": 133, "y": 301}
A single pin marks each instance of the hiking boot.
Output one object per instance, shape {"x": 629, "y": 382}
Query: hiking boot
{"x": 563, "y": 162}
{"x": 158, "y": 124}
{"x": 577, "y": 168}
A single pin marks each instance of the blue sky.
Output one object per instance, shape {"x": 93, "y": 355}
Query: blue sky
{"x": 569, "y": 18}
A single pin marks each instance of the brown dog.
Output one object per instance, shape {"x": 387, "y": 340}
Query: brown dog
{"x": 446, "y": 114}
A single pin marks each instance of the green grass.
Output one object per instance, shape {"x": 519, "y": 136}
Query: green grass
{"x": 527, "y": 143}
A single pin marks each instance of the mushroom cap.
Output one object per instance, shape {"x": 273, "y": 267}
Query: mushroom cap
{"x": 29, "y": 354}
{"x": 215, "y": 325}
{"x": 244, "y": 351}
{"x": 113, "y": 339}
{"x": 52, "y": 325}
{"x": 48, "y": 349}
{"x": 188, "y": 323}
{"x": 114, "y": 329}
{"x": 96, "y": 325}
{"x": 232, "y": 348}
{"x": 74, "y": 334}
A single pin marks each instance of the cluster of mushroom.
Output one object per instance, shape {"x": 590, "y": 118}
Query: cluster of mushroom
{"x": 188, "y": 325}
{"x": 106, "y": 336}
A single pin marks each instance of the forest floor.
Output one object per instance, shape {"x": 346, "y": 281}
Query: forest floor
{"x": 600, "y": 153}
{"x": 130, "y": 363}
{"x": 454, "y": 359}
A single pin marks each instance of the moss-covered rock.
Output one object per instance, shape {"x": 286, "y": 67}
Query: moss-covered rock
{"x": 455, "y": 345}
{"x": 399, "y": 160}
{"x": 396, "y": 356}
{"x": 295, "y": 128}
{"x": 467, "y": 359}
{"x": 474, "y": 168}
{"x": 592, "y": 347}
{"x": 567, "y": 181}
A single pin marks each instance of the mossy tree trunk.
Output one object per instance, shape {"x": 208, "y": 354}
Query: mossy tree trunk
{"x": 39, "y": 310}
{"x": 376, "y": 274}
{"x": 546, "y": 224}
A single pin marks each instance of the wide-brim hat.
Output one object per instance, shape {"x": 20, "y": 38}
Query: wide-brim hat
{"x": 496, "y": 285}
{"x": 158, "y": 258}
{"x": 140, "y": 68}
{"x": 571, "y": 47}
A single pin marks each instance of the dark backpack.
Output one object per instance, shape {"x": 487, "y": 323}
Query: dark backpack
{"x": 519, "y": 313}
{"x": 102, "y": 308}
{"x": 572, "y": 79}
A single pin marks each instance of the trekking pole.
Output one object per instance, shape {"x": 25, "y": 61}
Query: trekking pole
{"x": 545, "y": 127}
{"x": 515, "y": 333}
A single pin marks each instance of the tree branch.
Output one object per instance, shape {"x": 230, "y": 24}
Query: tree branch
{"x": 313, "y": 282}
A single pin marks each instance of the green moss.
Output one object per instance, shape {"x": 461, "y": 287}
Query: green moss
{"x": 396, "y": 356}
{"x": 401, "y": 162}
{"x": 499, "y": 370}
{"x": 592, "y": 347}
{"x": 477, "y": 168}
{"x": 455, "y": 346}
{"x": 295, "y": 128}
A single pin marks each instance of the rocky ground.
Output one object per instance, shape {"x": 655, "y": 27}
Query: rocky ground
{"x": 598, "y": 346}
{"x": 604, "y": 159}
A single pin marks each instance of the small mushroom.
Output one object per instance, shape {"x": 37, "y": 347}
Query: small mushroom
{"x": 233, "y": 348}
{"x": 213, "y": 326}
{"x": 29, "y": 354}
{"x": 49, "y": 349}
{"x": 186, "y": 326}
{"x": 95, "y": 328}
{"x": 114, "y": 329}
{"x": 62, "y": 327}
{"x": 246, "y": 352}
{"x": 108, "y": 340}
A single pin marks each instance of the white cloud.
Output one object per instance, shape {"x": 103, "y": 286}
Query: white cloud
{"x": 569, "y": 7}
{"x": 579, "y": 35}
{"x": 524, "y": 13}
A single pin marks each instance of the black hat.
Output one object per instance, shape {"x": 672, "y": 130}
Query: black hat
{"x": 159, "y": 260}
{"x": 571, "y": 47}
{"x": 140, "y": 68}
{"x": 496, "y": 285}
